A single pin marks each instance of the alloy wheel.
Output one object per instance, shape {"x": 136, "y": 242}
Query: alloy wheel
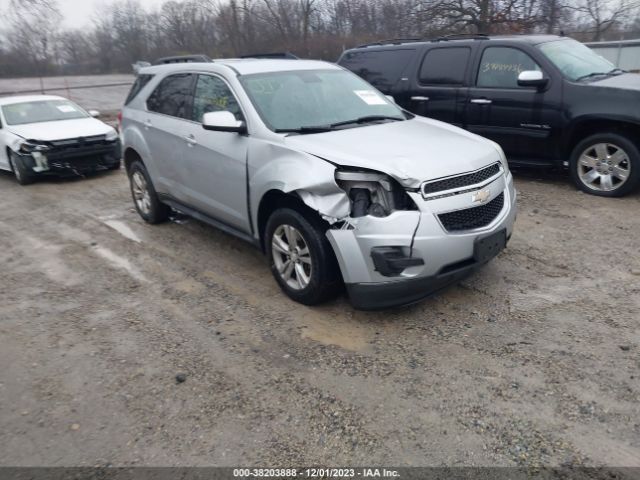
{"x": 604, "y": 167}
{"x": 291, "y": 257}
{"x": 141, "y": 192}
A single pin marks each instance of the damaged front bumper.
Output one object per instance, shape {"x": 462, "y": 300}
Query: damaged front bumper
{"x": 409, "y": 255}
{"x": 76, "y": 159}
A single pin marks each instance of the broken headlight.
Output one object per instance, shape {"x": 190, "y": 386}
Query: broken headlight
{"x": 373, "y": 193}
{"x": 112, "y": 136}
{"x": 30, "y": 146}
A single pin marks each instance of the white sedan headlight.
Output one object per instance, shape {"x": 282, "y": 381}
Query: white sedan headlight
{"x": 112, "y": 136}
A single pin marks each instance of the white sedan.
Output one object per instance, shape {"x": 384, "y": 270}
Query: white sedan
{"x": 44, "y": 135}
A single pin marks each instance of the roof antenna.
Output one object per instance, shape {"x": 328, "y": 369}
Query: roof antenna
{"x": 562, "y": 33}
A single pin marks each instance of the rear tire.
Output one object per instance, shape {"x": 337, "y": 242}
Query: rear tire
{"x": 301, "y": 257}
{"x": 606, "y": 164}
{"x": 23, "y": 177}
{"x": 145, "y": 198}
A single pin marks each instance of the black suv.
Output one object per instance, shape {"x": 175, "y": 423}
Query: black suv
{"x": 547, "y": 100}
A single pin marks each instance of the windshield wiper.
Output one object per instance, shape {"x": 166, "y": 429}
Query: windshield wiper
{"x": 615, "y": 71}
{"x": 305, "y": 129}
{"x": 367, "y": 119}
{"x": 328, "y": 128}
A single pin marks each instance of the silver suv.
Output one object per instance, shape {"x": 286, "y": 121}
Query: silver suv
{"x": 331, "y": 179}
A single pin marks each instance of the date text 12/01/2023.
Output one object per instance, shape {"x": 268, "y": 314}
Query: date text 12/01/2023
{"x": 315, "y": 473}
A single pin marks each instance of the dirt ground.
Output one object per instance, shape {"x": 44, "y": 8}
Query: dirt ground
{"x": 532, "y": 361}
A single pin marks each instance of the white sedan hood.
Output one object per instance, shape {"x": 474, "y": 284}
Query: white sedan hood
{"x": 411, "y": 151}
{"x": 61, "y": 130}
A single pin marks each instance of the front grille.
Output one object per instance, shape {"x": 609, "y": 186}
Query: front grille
{"x": 461, "y": 181}
{"x": 475, "y": 217}
{"x": 79, "y": 142}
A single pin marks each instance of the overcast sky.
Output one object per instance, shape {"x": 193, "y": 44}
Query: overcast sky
{"x": 80, "y": 12}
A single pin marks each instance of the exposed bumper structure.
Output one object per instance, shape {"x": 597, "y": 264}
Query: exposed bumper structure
{"x": 73, "y": 159}
{"x": 447, "y": 256}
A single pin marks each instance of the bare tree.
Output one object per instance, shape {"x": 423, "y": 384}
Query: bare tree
{"x": 123, "y": 32}
{"x": 600, "y": 16}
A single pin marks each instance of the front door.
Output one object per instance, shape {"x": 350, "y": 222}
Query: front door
{"x": 214, "y": 176}
{"x": 520, "y": 119}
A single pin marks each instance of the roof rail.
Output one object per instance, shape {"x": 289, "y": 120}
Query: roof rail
{"x": 462, "y": 36}
{"x": 391, "y": 41}
{"x": 281, "y": 55}
{"x": 183, "y": 59}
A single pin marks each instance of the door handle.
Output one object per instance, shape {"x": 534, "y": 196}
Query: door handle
{"x": 147, "y": 124}
{"x": 419, "y": 98}
{"x": 481, "y": 101}
{"x": 191, "y": 140}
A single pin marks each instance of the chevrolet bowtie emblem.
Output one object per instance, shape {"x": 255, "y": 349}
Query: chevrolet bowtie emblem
{"x": 481, "y": 196}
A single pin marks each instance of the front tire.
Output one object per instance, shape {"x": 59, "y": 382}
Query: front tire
{"x": 145, "y": 198}
{"x": 301, "y": 257}
{"x": 606, "y": 164}
{"x": 23, "y": 177}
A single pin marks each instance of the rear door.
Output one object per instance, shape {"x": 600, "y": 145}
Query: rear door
{"x": 438, "y": 88}
{"x": 520, "y": 119}
{"x": 383, "y": 68}
{"x": 168, "y": 108}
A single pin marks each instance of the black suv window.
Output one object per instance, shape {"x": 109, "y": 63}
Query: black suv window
{"x": 500, "y": 67}
{"x": 213, "y": 95}
{"x": 444, "y": 66}
{"x": 139, "y": 84}
{"x": 381, "y": 68}
{"x": 173, "y": 96}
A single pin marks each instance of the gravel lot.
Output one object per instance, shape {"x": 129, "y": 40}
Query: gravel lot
{"x": 533, "y": 361}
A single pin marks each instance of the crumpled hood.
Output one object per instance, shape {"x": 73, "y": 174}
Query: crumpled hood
{"x": 412, "y": 151}
{"x": 61, "y": 130}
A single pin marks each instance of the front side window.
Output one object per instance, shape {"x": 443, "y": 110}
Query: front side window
{"x": 305, "y": 98}
{"x": 213, "y": 95}
{"x": 444, "y": 66}
{"x": 41, "y": 111}
{"x": 500, "y": 67}
{"x": 575, "y": 60}
{"x": 173, "y": 96}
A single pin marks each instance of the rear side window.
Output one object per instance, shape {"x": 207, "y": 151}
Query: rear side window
{"x": 500, "y": 67}
{"x": 173, "y": 96}
{"x": 381, "y": 68}
{"x": 444, "y": 66}
{"x": 138, "y": 85}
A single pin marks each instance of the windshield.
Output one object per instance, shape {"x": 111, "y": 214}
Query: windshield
{"x": 298, "y": 99}
{"x": 574, "y": 59}
{"x": 41, "y": 111}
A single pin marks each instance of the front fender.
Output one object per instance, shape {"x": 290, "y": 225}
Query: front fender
{"x": 276, "y": 167}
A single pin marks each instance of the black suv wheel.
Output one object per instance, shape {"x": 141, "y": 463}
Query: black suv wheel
{"x": 150, "y": 208}
{"x": 606, "y": 164}
{"x": 302, "y": 260}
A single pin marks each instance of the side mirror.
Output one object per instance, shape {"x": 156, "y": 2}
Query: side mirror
{"x": 94, "y": 113}
{"x": 532, "y": 78}
{"x": 223, "y": 121}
